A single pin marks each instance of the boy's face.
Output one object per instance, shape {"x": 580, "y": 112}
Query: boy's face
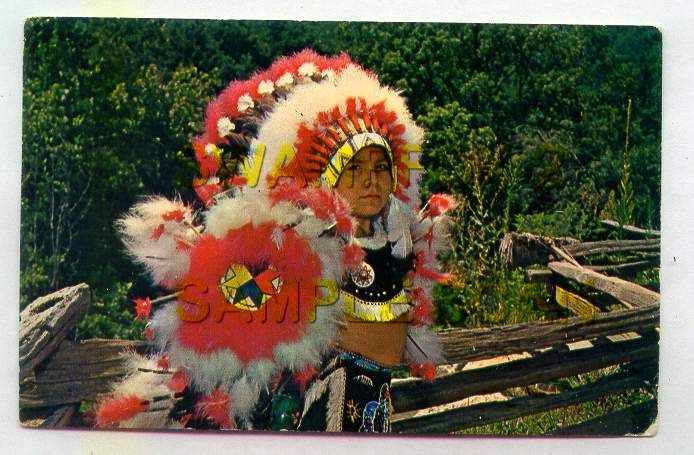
{"x": 366, "y": 182}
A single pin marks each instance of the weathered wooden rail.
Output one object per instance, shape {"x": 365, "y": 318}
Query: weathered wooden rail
{"x": 57, "y": 374}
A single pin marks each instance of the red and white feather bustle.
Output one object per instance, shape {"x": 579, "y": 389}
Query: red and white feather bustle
{"x": 256, "y": 291}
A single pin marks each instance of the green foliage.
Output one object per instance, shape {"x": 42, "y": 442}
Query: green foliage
{"x": 500, "y": 297}
{"x": 622, "y": 208}
{"x": 110, "y": 315}
{"x": 97, "y": 135}
{"x": 539, "y": 424}
{"x": 467, "y": 161}
{"x": 572, "y": 221}
{"x": 624, "y": 211}
{"x": 649, "y": 278}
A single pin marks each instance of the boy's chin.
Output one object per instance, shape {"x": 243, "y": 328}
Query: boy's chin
{"x": 366, "y": 212}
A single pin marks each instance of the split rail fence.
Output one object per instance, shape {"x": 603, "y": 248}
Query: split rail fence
{"x": 613, "y": 326}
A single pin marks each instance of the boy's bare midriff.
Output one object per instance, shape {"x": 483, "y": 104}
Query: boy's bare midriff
{"x": 382, "y": 342}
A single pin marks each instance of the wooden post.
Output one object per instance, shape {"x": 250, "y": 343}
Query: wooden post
{"x": 76, "y": 372}
{"x": 46, "y": 321}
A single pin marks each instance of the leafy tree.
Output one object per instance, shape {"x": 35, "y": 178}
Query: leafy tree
{"x": 96, "y": 138}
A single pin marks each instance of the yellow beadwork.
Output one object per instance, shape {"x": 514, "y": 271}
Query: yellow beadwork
{"x": 376, "y": 311}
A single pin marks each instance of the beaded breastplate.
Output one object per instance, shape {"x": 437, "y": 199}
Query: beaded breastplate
{"x": 374, "y": 291}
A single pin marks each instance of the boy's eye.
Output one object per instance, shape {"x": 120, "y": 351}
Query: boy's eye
{"x": 382, "y": 167}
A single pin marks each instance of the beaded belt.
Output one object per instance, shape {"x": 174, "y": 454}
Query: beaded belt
{"x": 361, "y": 361}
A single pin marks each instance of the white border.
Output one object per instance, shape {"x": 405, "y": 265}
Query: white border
{"x": 674, "y": 18}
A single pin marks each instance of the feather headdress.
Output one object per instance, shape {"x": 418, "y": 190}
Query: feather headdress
{"x": 291, "y": 121}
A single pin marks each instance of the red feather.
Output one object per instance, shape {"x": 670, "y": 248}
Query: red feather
{"x": 182, "y": 245}
{"x": 212, "y": 325}
{"x": 285, "y": 191}
{"x": 423, "y": 307}
{"x": 142, "y": 308}
{"x": 199, "y": 143}
{"x": 282, "y": 65}
{"x": 426, "y": 371}
{"x": 326, "y": 204}
{"x": 304, "y": 376}
{"x": 175, "y": 215}
{"x": 288, "y": 64}
{"x": 207, "y": 192}
{"x": 397, "y": 130}
{"x": 163, "y": 362}
{"x": 321, "y": 201}
{"x": 215, "y": 407}
{"x": 254, "y": 84}
{"x": 439, "y": 204}
{"x": 304, "y": 153}
{"x": 186, "y": 418}
{"x": 343, "y": 219}
{"x": 400, "y": 194}
{"x": 421, "y": 269}
{"x": 353, "y": 256}
{"x": 213, "y": 113}
{"x": 209, "y": 165}
{"x": 324, "y": 118}
{"x": 177, "y": 383}
{"x": 229, "y": 98}
{"x": 122, "y": 408}
{"x": 238, "y": 180}
{"x": 428, "y": 236}
{"x": 158, "y": 231}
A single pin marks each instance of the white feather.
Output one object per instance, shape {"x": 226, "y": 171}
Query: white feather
{"x": 234, "y": 212}
{"x": 286, "y": 214}
{"x": 161, "y": 256}
{"x": 145, "y": 385}
{"x": 329, "y": 250}
{"x": 206, "y": 371}
{"x": 311, "y": 227}
{"x": 423, "y": 346}
{"x": 244, "y": 396}
{"x": 277, "y": 237}
{"x": 164, "y": 323}
{"x": 261, "y": 371}
{"x": 442, "y": 240}
{"x": 398, "y": 227}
